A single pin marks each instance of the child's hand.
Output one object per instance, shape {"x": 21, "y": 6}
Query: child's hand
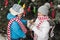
{"x": 31, "y": 21}
{"x": 30, "y": 24}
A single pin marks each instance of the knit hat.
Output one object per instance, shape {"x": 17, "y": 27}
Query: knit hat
{"x": 44, "y": 9}
{"x": 16, "y": 9}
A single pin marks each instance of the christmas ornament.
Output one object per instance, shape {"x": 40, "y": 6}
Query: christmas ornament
{"x": 58, "y": 6}
{"x": 1, "y": 9}
{"x": 19, "y": 1}
{"x": 53, "y": 10}
{"x": 24, "y": 5}
{"x": 29, "y": 9}
{"x": 34, "y": 10}
{"x": 6, "y": 3}
{"x": 24, "y": 13}
{"x": 33, "y": 0}
{"x": 53, "y": 13}
{"x": 51, "y": 4}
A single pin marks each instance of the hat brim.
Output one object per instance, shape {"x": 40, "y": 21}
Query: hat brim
{"x": 13, "y": 12}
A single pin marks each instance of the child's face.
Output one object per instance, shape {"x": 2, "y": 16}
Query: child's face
{"x": 40, "y": 14}
{"x": 20, "y": 15}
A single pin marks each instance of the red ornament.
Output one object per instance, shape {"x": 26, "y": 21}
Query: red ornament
{"x": 51, "y": 4}
{"x": 24, "y": 12}
{"x": 53, "y": 13}
{"x": 6, "y": 3}
{"x": 29, "y": 9}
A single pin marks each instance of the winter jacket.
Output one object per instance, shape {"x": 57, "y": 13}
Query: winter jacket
{"x": 15, "y": 29}
{"x": 43, "y": 31}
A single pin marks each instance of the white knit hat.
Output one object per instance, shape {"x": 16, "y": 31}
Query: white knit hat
{"x": 44, "y": 9}
{"x": 16, "y": 9}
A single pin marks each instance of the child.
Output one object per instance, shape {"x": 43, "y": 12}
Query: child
{"x": 16, "y": 29}
{"x": 41, "y": 26}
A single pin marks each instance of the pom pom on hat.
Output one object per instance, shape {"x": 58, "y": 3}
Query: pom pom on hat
{"x": 44, "y": 9}
{"x": 16, "y": 9}
{"x": 47, "y": 5}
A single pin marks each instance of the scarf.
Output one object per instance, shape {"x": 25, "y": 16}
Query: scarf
{"x": 19, "y": 22}
{"x": 41, "y": 19}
